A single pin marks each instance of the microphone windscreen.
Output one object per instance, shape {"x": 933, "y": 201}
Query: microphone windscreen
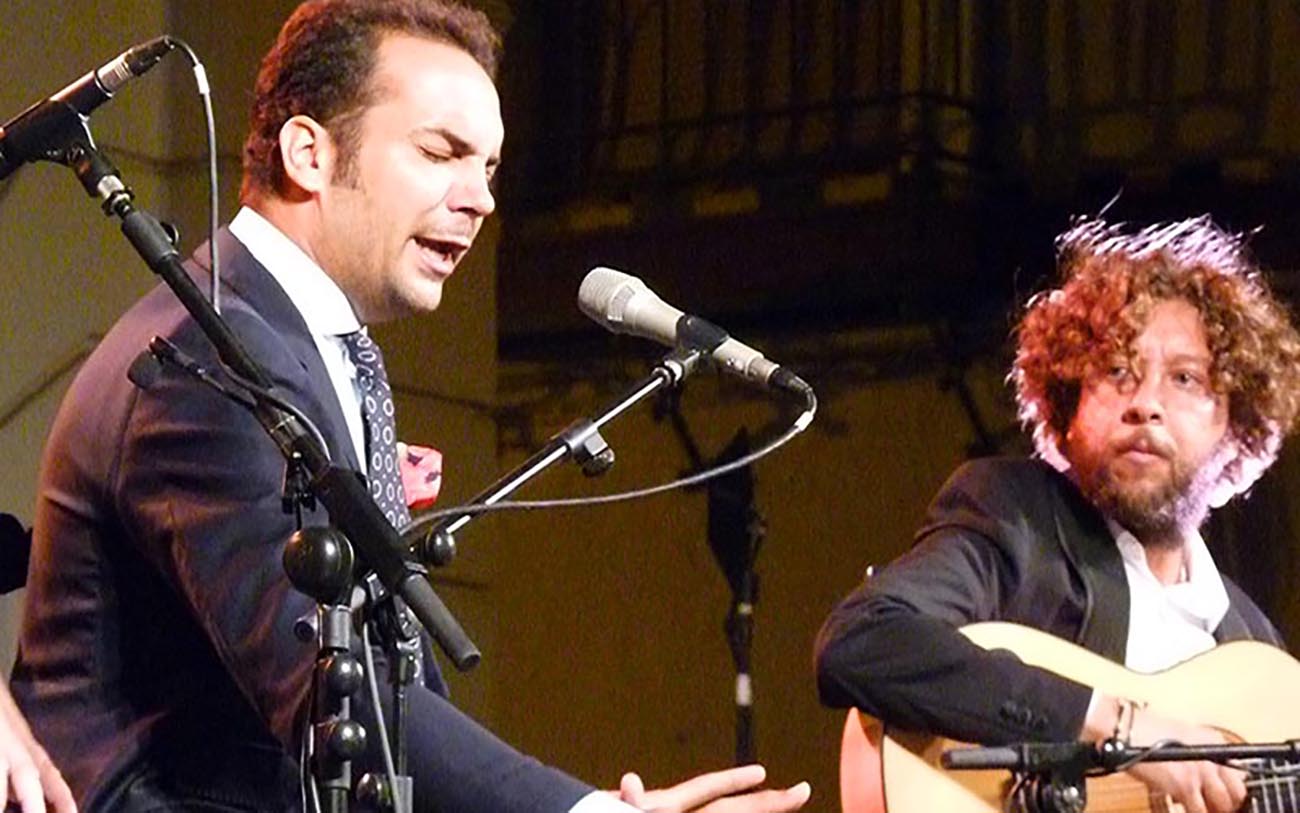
{"x": 603, "y": 295}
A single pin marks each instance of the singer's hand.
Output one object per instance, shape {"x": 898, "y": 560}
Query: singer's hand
{"x": 27, "y": 776}
{"x": 421, "y": 469}
{"x": 713, "y": 793}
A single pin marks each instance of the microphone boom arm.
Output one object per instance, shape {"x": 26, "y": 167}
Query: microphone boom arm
{"x": 581, "y": 441}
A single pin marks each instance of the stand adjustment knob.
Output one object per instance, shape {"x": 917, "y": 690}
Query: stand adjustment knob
{"x": 319, "y": 563}
{"x": 344, "y": 675}
{"x": 344, "y": 739}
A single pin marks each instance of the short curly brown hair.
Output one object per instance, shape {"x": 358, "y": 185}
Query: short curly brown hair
{"x": 1111, "y": 278}
{"x": 321, "y": 65}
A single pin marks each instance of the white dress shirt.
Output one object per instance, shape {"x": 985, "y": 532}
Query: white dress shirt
{"x": 1169, "y": 623}
{"x": 321, "y": 303}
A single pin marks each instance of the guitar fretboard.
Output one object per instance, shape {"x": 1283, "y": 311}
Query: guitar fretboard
{"x": 1272, "y": 785}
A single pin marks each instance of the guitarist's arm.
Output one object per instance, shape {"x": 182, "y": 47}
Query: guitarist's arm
{"x": 892, "y": 647}
{"x": 917, "y": 672}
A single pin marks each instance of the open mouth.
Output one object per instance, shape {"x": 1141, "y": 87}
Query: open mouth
{"x": 443, "y": 253}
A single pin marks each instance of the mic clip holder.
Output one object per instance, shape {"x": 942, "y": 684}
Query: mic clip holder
{"x": 696, "y": 333}
{"x": 580, "y": 441}
{"x": 587, "y": 448}
{"x": 52, "y": 131}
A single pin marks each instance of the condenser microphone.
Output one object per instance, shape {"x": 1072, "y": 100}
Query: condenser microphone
{"x": 36, "y": 133}
{"x": 623, "y": 304}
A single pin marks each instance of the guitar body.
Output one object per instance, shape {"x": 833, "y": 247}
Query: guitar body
{"x": 1244, "y": 688}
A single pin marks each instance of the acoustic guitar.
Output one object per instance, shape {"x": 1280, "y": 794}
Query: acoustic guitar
{"x": 1248, "y": 690}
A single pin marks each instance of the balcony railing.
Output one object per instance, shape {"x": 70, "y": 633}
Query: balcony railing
{"x": 657, "y": 94}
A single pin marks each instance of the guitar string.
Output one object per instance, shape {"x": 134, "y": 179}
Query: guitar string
{"x": 1269, "y": 778}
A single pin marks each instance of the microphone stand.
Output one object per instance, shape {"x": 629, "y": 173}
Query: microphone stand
{"x": 581, "y": 441}
{"x": 376, "y": 543}
{"x": 736, "y": 532}
{"x": 319, "y": 563}
{"x": 739, "y": 627}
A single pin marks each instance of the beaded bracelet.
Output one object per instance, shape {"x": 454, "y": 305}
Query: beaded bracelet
{"x": 1126, "y": 713}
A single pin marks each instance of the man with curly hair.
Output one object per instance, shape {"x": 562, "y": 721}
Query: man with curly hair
{"x": 1158, "y": 382}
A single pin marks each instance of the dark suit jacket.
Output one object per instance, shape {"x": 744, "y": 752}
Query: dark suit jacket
{"x": 1004, "y": 540}
{"x": 157, "y": 659}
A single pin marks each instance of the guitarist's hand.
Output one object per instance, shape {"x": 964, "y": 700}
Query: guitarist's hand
{"x": 713, "y": 793}
{"x": 1200, "y": 787}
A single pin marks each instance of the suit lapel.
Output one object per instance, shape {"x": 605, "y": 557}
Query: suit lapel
{"x": 244, "y": 276}
{"x": 1233, "y": 627}
{"x": 1088, "y": 544}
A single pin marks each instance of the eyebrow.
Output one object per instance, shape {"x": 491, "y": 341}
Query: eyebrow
{"x": 1199, "y": 358}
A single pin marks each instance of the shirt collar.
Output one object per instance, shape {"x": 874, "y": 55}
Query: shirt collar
{"x": 1200, "y": 593}
{"x": 323, "y": 305}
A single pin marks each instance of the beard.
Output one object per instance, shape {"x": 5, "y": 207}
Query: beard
{"x": 1155, "y": 511}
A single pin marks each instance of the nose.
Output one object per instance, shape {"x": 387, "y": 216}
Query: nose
{"x": 473, "y": 194}
{"x": 1145, "y": 405}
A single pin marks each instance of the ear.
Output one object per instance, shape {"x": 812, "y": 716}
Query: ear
{"x": 308, "y": 154}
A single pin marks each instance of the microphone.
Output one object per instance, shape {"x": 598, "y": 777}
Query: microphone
{"x": 33, "y": 134}
{"x": 623, "y": 304}
{"x": 145, "y": 371}
{"x": 147, "y": 368}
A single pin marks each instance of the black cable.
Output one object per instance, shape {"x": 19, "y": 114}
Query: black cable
{"x": 214, "y": 203}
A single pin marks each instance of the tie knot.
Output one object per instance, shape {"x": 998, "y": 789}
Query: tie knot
{"x": 367, "y": 359}
{"x": 361, "y": 348}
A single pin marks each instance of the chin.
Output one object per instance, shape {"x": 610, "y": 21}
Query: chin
{"x": 1145, "y": 487}
{"x": 422, "y": 298}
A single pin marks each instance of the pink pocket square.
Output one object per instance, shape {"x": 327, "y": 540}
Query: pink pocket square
{"x": 421, "y": 474}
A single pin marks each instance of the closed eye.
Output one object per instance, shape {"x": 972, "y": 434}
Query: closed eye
{"x": 435, "y": 155}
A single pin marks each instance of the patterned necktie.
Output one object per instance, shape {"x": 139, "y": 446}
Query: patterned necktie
{"x": 381, "y": 438}
{"x": 385, "y": 477}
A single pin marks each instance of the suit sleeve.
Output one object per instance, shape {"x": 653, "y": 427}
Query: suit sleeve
{"x": 893, "y": 649}
{"x": 199, "y": 486}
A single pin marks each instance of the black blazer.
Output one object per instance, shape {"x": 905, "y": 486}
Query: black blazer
{"x": 157, "y": 659}
{"x": 1004, "y": 540}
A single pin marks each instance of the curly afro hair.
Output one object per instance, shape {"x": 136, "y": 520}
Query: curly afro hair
{"x": 1111, "y": 278}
